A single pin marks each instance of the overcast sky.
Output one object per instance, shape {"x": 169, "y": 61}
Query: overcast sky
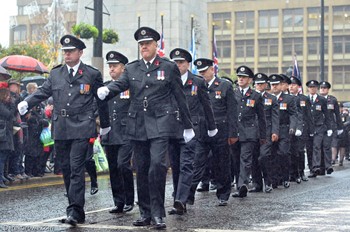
{"x": 6, "y": 10}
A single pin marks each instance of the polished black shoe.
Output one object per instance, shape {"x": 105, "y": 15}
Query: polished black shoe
{"x": 255, "y": 190}
{"x": 71, "y": 221}
{"x": 180, "y": 207}
{"x": 203, "y": 187}
{"x": 3, "y": 185}
{"x": 330, "y": 170}
{"x": 93, "y": 190}
{"x": 116, "y": 210}
{"x": 242, "y": 192}
{"x": 128, "y": 208}
{"x": 268, "y": 188}
{"x": 159, "y": 223}
{"x": 223, "y": 203}
{"x": 286, "y": 184}
{"x": 322, "y": 172}
{"x": 312, "y": 175}
{"x": 142, "y": 222}
{"x": 298, "y": 180}
{"x": 174, "y": 211}
{"x": 213, "y": 187}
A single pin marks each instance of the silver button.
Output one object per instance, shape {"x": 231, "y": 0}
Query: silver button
{"x": 145, "y": 98}
{"x": 70, "y": 85}
{"x": 144, "y": 109}
{"x": 146, "y": 86}
{"x": 114, "y": 110}
{"x": 67, "y": 104}
{"x": 69, "y": 94}
{"x": 115, "y": 102}
{"x": 148, "y": 74}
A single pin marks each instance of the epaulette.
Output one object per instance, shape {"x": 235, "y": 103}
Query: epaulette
{"x": 57, "y": 66}
{"x": 92, "y": 67}
{"x": 133, "y": 62}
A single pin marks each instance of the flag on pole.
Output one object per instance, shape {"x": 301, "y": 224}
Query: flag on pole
{"x": 215, "y": 55}
{"x": 193, "y": 53}
{"x": 160, "y": 50}
{"x": 296, "y": 73}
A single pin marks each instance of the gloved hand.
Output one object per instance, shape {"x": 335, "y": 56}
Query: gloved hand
{"x": 311, "y": 135}
{"x": 298, "y": 133}
{"x": 104, "y": 131}
{"x": 329, "y": 133}
{"x": 212, "y": 133}
{"x": 102, "y": 92}
{"x": 188, "y": 135}
{"x": 291, "y": 131}
{"x": 339, "y": 132}
{"x": 22, "y": 107}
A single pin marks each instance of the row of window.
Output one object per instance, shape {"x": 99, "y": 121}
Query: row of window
{"x": 292, "y": 20}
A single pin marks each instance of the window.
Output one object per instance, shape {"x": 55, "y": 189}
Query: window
{"x": 341, "y": 77}
{"x": 268, "y": 47}
{"x": 222, "y": 21}
{"x": 293, "y": 20}
{"x": 313, "y": 73}
{"x": 245, "y": 22}
{"x": 20, "y": 34}
{"x": 245, "y": 48}
{"x": 341, "y": 44}
{"x": 314, "y": 45}
{"x": 341, "y": 17}
{"x": 224, "y": 49}
{"x": 292, "y": 46}
{"x": 314, "y": 18}
{"x": 268, "y": 20}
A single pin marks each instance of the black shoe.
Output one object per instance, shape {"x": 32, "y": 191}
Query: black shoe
{"x": 223, "y": 203}
{"x": 268, "y": 188}
{"x": 203, "y": 188}
{"x": 93, "y": 190}
{"x": 274, "y": 186}
{"x": 304, "y": 178}
{"x": 322, "y": 172}
{"x": 11, "y": 179}
{"x": 128, "y": 208}
{"x": 330, "y": 170}
{"x": 312, "y": 175}
{"x": 174, "y": 211}
{"x": 142, "y": 222}
{"x": 298, "y": 180}
{"x": 180, "y": 207}
{"x": 71, "y": 221}
{"x": 116, "y": 210}
{"x": 286, "y": 184}
{"x": 255, "y": 190}
{"x": 3, "y": 185}
{"x": 159, "y": 223}
{"x": 213, "y": 187}
{"x": 242, "y": 192}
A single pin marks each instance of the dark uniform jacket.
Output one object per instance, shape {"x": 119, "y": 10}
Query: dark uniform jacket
{"x": 200, "y": 107}
{"x": 118, "y": 113}
{"x": 320, "y": 115}
{"x": 288, "y": 114}
{"x": 271, "y": 114}
{"x": 251, "y": 116}
{"x": 305, "y": 122}
{"x": 152, "y": 112}
{"x": 73, "y": 100}
{"x": 334, "y": 112}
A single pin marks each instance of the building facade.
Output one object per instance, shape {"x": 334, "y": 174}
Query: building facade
{"x": 267, "y": 35}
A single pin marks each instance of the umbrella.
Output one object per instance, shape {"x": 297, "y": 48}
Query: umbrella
{"x": 37, "y": 79}
{"x": 4, "y": 74}
{"x": 23, "y": 64}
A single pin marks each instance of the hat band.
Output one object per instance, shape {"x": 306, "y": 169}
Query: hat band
{"x": 113, "y": 62}
{"x": 242, "y": 74}
{"x": 145, "y": 39}
{"x": 178, "y": 58}
{"x": 274, "y": 82}
{"x": 68, "y": 48}
{"x": 259, "y": 82}
{"x": 202, "y": 69}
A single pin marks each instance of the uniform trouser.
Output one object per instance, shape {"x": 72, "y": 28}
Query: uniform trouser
{"x": 309, "y": 150}
{"x": 120, "y": 173}
{"x": 181, "y": 156}
{"x": 90, "y": 165}
{"x": 72, "y": 155}
{"x": 257, "y": 175}
{"x": 283, "y": 158}
{"x": 151, "y": 170}
{"x": 321, "y": 140}
{"x": 295, "y": 156}
{"x": 266, "y": 163}
{"x": 221, "y": 165}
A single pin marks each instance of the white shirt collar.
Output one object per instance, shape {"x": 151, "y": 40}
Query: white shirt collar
{"x": 75, "y": 68}
{"x": 151, "y": 61}
{"x": 184, "y": 78}
{"x": 211, "y": 82}
{"x": 244, "y": 90}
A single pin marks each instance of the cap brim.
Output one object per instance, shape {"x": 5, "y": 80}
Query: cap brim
{"x": 113, "y": 62}
{"x": 145, "y": 39}
{"x": 242, "y": 75}
{"x": 202, "y": 69}
{"x": 274, "y": 82}
{"x": 260, "y": 82}
{"x": 68, "y": 48}
{"x": 178, "y": 58}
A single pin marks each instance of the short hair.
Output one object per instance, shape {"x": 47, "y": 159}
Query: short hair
{"x": 31, "y": 85}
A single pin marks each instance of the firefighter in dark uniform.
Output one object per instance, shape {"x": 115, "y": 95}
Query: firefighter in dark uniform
{"x": 182, "y": 154}
{"x": 322, "y": 128}
{"x": 251, "y": 129}
{"x": 154, "y": 84}
{"x": 225, "y": 112}
{"x": 73, "y": 87}
{"x": 336, "y": 123}
{"x": 117, "y": 146}
{"x": 288, "y": 120}
{"x": 305, "y": 123}
{"x": 263, "y": 161}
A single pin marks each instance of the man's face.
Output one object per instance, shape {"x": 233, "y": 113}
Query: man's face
{"x": 183, "y": 66}
{"x": 312, "y": 90}
{"x": 324, "y": 91}
{"x": 260, "y": 87}
{"x": 276, "y": 88}
{"x": 72, "y": 56}
{"x": 284, "y": 86}
{"x": 115, "y": 70}
{"x": 208, "y": 74}
{"x": 243, "y": 81}
{"x": 293, "y": 88}
{"x": 148, "y": 49}
{"x": 14, "y": 88}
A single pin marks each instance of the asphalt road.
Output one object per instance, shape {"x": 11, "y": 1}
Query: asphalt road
{"x": 321, "y": 204}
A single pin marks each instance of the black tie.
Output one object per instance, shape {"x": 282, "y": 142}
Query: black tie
{"x": 71, "y": 71}
{"x": 148, "y": 65}
{"x": 242, "y": 91}
{"x": 312, "y": 99}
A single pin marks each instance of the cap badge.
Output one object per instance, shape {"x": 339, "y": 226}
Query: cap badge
{"x": 66, "y": 40}
{"x": 143, "y": 32}
{"x": 111, "y": 55}
{"x": 312, "y": 82}
{"x": 177, "y": 53}
{"x": 259, "y": 75}
{"x": 242, "y": 69}
{"x": 199, "y": 63}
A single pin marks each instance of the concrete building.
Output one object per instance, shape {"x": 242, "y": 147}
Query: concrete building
{"x": 266, "y": 34}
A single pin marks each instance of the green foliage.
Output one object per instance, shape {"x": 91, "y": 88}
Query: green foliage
{"x": 110, "y": 36}
{"x": 85, "y": 31}
{"x": 233, "y": 76}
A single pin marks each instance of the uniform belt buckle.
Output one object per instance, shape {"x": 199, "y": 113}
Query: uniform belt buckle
{"x": 63, "y": 112}
{"x": 145, "y": 103}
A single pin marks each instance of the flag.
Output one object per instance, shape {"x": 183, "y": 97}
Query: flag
{"x": 160, "y": 50}
{"x": 215, "y": 56}
{"x": 193, "y": 53}
{"x": 296, "y": 73}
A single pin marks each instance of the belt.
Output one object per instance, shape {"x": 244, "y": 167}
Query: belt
{"x": 71, "y": 112}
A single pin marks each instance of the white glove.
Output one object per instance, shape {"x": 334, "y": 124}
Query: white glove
{"x": 329, "y": 133}
{"x": 212, "y": 133}
{"x": 102, "y": 92}
{"x": 298, "y": 133}
{"x": 339, "y": 132}
{"x": 188, "y": 135}
{"x": 22, "y": 107}
{"x": 104, "y": 131}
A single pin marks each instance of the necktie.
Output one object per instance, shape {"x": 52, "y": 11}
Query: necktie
{"x": 242, "y": 91}
{"x": 312, "y": 99}
{"x": 71, "y": 71}
{"x": 148, "y": 65}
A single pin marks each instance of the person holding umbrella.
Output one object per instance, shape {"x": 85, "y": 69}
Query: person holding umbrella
{"x": 73, "y": 87}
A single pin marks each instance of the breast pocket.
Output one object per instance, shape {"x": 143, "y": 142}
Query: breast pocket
{"x": 131, "y": 123}
{"x": 166, "y": 120}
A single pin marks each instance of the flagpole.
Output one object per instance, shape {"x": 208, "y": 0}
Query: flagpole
{"x": 138, "y": 26}
{"x": 192, "y": 25}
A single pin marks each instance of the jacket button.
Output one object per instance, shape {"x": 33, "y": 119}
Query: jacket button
{"x": 68, "y": 104}
{"x": 69, "y": 94}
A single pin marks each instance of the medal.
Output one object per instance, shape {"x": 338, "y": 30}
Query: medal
{"x": 218, "y": 94}
{"x": 160, "y": 75}
{"x": 194, "y": 90}
{"x": 267, "y": 102}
